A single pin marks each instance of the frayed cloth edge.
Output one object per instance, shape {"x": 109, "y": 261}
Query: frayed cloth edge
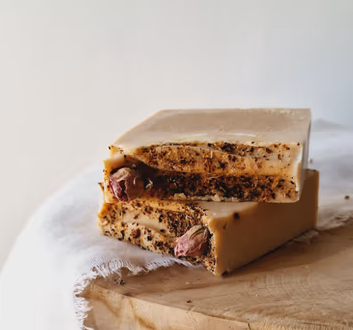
{"x": 114, "y": 267}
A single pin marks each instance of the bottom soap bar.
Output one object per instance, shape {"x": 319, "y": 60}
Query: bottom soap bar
{"x": 223, "y": 236}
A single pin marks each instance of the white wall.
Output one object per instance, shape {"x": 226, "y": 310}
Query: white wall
{"x": 76, "y": 73}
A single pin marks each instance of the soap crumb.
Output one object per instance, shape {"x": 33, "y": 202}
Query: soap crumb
{"x": 346, "y": 197}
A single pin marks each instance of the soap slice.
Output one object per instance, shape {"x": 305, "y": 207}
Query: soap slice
{"x": 222, "y": 236}
{"x": 213, "y": 155}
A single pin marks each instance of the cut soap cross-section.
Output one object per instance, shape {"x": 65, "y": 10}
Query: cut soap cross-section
{"x": 213, "y": 155}
{"x": 235, "y": 233}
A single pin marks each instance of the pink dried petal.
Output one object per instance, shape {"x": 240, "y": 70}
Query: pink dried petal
{"x": 193, "y": 243}
{"x": 126, "y": 184}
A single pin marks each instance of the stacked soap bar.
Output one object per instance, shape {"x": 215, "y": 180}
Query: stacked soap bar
{"x": 166, "y": 179}
{"x": 221, "y": 155}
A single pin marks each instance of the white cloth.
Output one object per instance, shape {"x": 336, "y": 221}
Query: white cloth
{"x": 55, "y": 254}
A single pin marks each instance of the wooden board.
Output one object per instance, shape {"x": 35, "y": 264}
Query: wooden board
{"x": 299, "y": 286}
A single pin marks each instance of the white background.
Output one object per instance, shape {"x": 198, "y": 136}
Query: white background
{"x": 75, "y": 74}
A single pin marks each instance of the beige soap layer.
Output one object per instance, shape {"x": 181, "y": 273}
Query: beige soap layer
{"x": 240, "y": 232}
{"x": 257, "y": 144}
{"x": 262, "y": 126}
{"x": 258, "y": 228}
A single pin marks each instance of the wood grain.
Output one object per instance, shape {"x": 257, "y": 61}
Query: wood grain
{"x": 299, "y": 286}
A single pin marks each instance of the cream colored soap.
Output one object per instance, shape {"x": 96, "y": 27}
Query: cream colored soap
{"x": 243, "y": 232}
{"x": 239, "y": 232}
{"x": 268, "y": 147}
{"x": 262, "y": 126}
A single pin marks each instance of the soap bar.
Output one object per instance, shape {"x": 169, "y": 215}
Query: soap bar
{"x": 256, "y": 155}
{"x": 221, "y": 236}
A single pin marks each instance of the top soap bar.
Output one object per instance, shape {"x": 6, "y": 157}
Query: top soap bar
{"x": 261, "y": 126}
{"x": 219, "y": 154}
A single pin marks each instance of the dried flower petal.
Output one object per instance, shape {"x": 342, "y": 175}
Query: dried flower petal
{"x": 126, "y": 184}
{"x": 193, "y": 243}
